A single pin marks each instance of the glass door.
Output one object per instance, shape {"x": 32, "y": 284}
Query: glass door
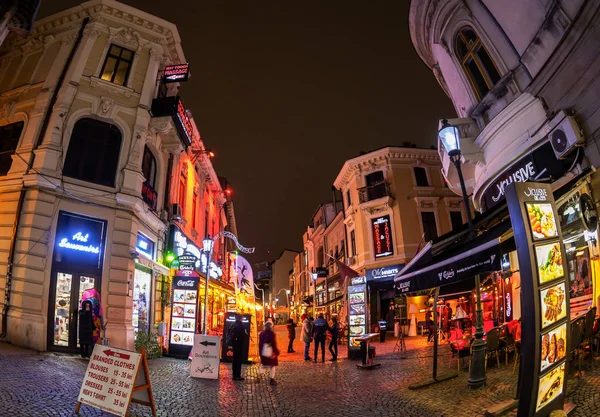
{"x": 67, "y": 302}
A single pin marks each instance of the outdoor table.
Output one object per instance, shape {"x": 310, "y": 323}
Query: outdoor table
{"x": 367, "y": 363}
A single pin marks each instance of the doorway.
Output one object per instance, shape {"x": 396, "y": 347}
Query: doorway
{"x": 65, "y": 302}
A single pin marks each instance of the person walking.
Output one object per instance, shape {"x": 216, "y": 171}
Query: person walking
{"x": 291, "y": 328}
{"x": 307, "y": 336}
{"x": 267, "y": 346}
{"x": 319, "y": 335}
{"x": 238, "y": 337}
{"x": 333, "y": 345}
{"x": 86, "y": 328}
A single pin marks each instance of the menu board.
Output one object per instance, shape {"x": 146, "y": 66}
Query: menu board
{"x": 183, "y": 312}
{"x": 357, "y": 310}
{"x": 554, "y": 304}
{"x": 550, "y": 386}
{"x": 545, "y": 325}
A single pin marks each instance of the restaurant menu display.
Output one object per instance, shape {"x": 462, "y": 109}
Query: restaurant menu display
{"x": 545, "y": 322}
{"x": 183, "y": 313}
{"x": 357, "y": 310}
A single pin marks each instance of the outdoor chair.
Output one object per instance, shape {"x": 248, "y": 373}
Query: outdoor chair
{"x": 575, "y": 342}
{"x": 493, "y": 345}
{"x": 587, "y": 338}
{"x": 510, "y": 345}
{"x": 460, "y": 347}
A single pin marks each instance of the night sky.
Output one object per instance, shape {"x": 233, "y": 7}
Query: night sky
{"x": 284, "y": 92}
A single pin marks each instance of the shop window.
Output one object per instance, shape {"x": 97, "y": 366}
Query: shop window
{"x": 149, "y": 167}
{"x": 93, "y": 153}
{"x": 456, "y": 220}
{"x": 429, "y": 226}
{"x": 9, "y": 139}
{"x": 476, "y": 62}
{"x": 117, "y": 65}
{"x": 421, "y": 177}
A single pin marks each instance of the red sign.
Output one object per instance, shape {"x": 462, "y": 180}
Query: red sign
{"x": 185, "y": 126}
{"x": 176, "y": 73}
{"x": 382, "y": 236}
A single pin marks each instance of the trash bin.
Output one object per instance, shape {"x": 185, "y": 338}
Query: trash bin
{"x": 382, "y": 330}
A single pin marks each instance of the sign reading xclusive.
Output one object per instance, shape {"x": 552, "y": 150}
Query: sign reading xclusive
{"x": 79, "y": 240}
{"x": 538, "y": 165}
{"x": 384, "y": 273}
{"x": 382, "y": 236}
{"x": 176, "y": 73}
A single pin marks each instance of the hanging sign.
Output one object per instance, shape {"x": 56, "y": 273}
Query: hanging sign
{"x": 113, "y": 379}
{"x": 206, "y": 357}
{"x": 382, "y": 236}
{"x": 544, "y": 320}
{"x": 176, "y": 73}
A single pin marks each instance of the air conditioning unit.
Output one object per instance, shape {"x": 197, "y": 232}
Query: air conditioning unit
{"x": 565, "y": 136}
{"x": 176, "y": 212}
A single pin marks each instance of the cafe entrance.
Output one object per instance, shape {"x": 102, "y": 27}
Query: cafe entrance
{"x": 76, "y": 267}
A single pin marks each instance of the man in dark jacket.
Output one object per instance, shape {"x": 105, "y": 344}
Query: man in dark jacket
{"x": 320, "y": 334}
{"x": 86, "y": 327}
{"x": 335, "y": 333}
{"x": 239, "y": 336}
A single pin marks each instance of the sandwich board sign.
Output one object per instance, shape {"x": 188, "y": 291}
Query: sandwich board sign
{"x": 113, "y": 379}
{"x": 206, "y": 357}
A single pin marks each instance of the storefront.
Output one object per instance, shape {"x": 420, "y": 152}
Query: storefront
{"x": 76, "y": 266}
{"x": 381, "y": 290}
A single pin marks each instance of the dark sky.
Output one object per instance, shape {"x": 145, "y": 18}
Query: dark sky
{"x": 285, "y": 92}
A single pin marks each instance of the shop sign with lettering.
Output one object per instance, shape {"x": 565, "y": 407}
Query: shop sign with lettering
{"x": 384, "y": 273}
{"x": 176, "y": 73}
{"x": 382, "y": 236}
{"x": 79, "y": 240}
{"x": 145, "y": 246}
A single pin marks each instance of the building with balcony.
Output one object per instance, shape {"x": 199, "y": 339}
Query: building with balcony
{"x": 522, "y": 76}
{"x": 395, "y": 201}
{"x": 91, "y": 177}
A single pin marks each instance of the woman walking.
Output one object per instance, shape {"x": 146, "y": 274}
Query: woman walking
{"x": 335, "y": 333}
{"x": 267, "y": 346}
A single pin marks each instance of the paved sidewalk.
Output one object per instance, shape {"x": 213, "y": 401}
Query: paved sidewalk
{"x": 46, "y": 384}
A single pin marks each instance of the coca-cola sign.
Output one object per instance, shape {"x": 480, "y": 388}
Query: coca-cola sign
{"x": 188, "y": 283}
{"x": 185, "y": 281}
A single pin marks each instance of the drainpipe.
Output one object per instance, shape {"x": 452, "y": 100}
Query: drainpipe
{"x": 38, "y": 140}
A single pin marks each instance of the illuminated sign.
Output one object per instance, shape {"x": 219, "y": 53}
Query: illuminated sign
{"x": 79, "y": 240}
{"x": 384, "y": 273}
{"x": 176, "y": 73}
{"x": 183, "y": 123}
{"x": 382, "y": 236}
{"x": 145, "y": 246}
{"x": 79, "y": 237}
{"x": 191, "y": 256}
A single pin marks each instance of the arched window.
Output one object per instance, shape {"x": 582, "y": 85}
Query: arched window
{"x": 93, "y": 152}
{"x": 476, "y": 62}
{"x": 9, "y": 139}
{"x": 149, "y": 167}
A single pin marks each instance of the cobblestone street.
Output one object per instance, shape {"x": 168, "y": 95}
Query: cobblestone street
{"x": 47, "y": 384}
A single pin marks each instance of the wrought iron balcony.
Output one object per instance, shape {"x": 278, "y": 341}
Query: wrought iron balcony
{"x": 149, "y": 195}
{"x": 373, "y": 192}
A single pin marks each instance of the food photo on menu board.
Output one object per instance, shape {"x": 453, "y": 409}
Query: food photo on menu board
{"x": 357, "y": 330}
{"x": 190, "y": 296}
{"x": 357, "y": 289}
{"x": 354, "y": 342}
{"x": 188, "y": 324}
{"x": 554, "y": 304}
{"x": 179, "y": 296}
{"x": 549, "y": 262}
{"x": 551, "y": 386}
{"x": 357, "y": 320}
{"x": 178, "y": 310}
{"x": 554, "y": 346}
{"x": 357, "y": 298}
{"x": 541, "y": 220}
{"x": 189, "y": 311}
{"x": 357, "y": 309}
{"x": 176, "y": 324}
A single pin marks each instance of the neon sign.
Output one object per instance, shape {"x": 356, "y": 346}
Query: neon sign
{"x": 79, "y": 237}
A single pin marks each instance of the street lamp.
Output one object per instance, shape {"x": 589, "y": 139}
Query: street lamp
{"x": 207, "y": 244}
{"x": 450, "y": 138}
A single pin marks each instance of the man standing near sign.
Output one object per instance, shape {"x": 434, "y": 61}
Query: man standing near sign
{"x": 239, "y": 336}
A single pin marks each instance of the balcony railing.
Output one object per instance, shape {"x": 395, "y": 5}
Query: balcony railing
{"x": 373, "y": 192}
{"x": 149, "y": 195}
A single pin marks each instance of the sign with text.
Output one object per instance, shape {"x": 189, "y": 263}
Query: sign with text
{"x": 206, "y": 357}
{"x": 382, "y": 236}
{"x": 176, "y": 73}
{"x": 183, "y": 313}
{"x": 544, "y": 320}
{"x": 358, "y": 311}
{"x": 384, "y": 273}
{"x": 79, "y": 240}
{"x": 115, "y": 377}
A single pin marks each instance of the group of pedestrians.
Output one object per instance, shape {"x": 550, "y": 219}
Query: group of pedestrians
{"x": 316, "y": 330}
